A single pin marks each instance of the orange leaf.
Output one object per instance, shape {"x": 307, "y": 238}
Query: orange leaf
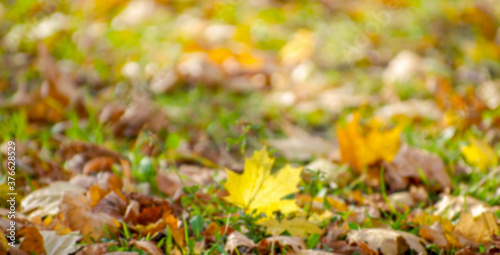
{"x": 33, "y": 241}
{"x": 360, "y": 150}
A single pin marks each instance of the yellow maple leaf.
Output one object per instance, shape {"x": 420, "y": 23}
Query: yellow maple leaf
{"x": 298, "y": 226}
{"x": 479, "y": 153}
{"x": 257, "y": 189}
{"x": 360, "y": 150}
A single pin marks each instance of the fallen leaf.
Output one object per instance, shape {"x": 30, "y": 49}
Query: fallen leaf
{"x": 476, "y": 229}
{"x": 45, "y": 201}
{"x": 256, "y": 189}
{"x": 77, "y": 214}
{"x": 237, "y": 239}
{"x": 298, "y": 226}
{"x": 434, "y": 234}
{"x": 360, "y": 150}
{"x": 111, "y": 204}
{"x": 479, "y": 153}
{"x": 148, "y": 246}
{"x": 406, "y": 165}
{"x": 285, "y": 243}
{"x": 436, "y": 229}
{"x": 59, "y": 244}
{"x": 33, "y": 241}
{"x": 388, "y": 241}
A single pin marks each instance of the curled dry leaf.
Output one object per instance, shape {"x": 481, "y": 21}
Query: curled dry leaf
{"x": 77, "y": 214}
{"x": 291, "y": 244}
{"x": 406, "y": 165}
{"x": 390, "y": 242}
{"x": 237, "y": 239}
{"x": 45, "y": 201}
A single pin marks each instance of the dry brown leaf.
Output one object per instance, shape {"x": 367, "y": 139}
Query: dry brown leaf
{"x": 33, "y": 241}
{"x": 77, "y": 214}
{"x": 237, "y": 239}
{"x": 111, "y": 204}
{"x": 434, "y": 234}
{"x": 132, "y": 212}
{"x": 390, "y": 242}
{"x": 45, "y": 201}
{"x": 406, "y": 164}
{"x": 474, "y": 230}
{"x": 291, "y": 244}
{"x": 147, "y": 246}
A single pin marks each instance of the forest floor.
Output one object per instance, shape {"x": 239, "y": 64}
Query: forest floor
{"x": 267, "y": 127}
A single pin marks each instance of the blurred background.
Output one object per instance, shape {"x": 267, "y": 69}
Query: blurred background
{"x": 203, "y": 76}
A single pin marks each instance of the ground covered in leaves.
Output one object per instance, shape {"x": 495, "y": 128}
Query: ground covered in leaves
{"x": 267, "y": 127}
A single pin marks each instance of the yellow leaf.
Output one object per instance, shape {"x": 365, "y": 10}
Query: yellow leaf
{"x": 297, "y": 226}
{"x": 479, "y": 153}
{"x": 360, "y": 150}
{"x": 258, "y": 189}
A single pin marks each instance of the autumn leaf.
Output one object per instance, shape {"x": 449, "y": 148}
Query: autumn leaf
{"x": 360, "y": 149}
{"x": 476, "y": 229}
{"x": 33, "y": 241}
{"x": 387, "y": 240}
{"x": 298, "y": 226}
{"x": 258, "y": 189}
{"x": 479, "y": 153}
{"x": 77, "y": 214}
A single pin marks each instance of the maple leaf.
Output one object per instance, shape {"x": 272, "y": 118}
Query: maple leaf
{"x": 360, "y": 150}
{"x": 257, "y": 189}
{"x": 479, "y": 153}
